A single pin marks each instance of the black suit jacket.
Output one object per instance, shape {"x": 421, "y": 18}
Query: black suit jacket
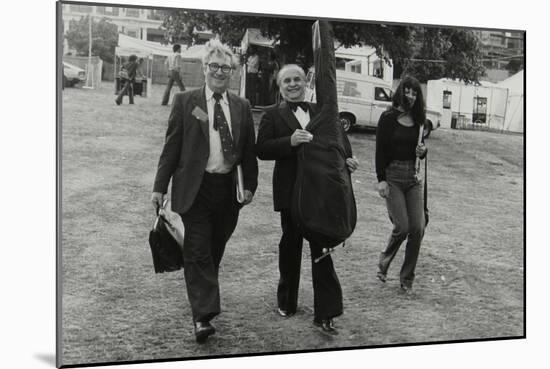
{"x": 187, "y": 147}
{"x": 273, "y": 143}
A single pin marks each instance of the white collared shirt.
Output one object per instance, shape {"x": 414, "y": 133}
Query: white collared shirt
{"x": 216, "y": 162}
{"x": 302, "y": 117}
{"x": 173, "y": 62}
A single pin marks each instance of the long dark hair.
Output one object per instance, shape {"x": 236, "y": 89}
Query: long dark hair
{"x": 418, "y": 111}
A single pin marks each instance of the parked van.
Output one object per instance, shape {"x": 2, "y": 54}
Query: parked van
{"x": 362, "y": 99}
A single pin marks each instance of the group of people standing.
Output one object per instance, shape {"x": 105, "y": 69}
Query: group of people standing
{"x": 260, "y": 77}
{"x": 211, "y": 132}
{"x": 128, "y": 73}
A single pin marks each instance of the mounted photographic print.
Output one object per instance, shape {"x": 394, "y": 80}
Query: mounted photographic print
{"x": 236, "y": 184}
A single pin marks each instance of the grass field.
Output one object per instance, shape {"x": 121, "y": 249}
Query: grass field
{"x": 470, "y": 273}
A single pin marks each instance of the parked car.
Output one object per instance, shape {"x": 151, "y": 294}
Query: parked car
{"x": 72, "y": 75}
{"x": 362, "y": 99}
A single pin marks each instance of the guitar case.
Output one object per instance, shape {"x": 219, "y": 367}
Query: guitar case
{"x": 323, "y": 201}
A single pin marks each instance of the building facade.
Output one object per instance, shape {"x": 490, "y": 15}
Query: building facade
{"x": 499, "y": 48}
{"x": 143, "y": 24}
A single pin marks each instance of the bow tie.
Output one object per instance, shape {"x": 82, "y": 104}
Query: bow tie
{"x": 295, "y": 105}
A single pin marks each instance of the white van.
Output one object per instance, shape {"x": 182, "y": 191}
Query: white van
{"x": 362, "y": 99}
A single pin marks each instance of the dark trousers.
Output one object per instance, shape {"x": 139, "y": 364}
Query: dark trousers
{"x": 252, "y": 88}
{"x": 208, "y": 224}
{"x": 174, "y": 77}
{"x": 128, "y": 88}
{"x": 406, "y": 210}
{"x": 327, "y": 293}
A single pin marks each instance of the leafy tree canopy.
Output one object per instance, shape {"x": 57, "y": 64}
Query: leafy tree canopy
{"x": 425, "y": 52}
{"x": 104, "y": 38}
{"x": 445, "y": 52}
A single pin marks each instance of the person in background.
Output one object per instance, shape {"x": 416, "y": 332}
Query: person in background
{"x": 174, "y": 65}
{"x": 127, "y": 78}
{"x": 271, "y": 71}
{"x": 210, "y": 132}
{"x": 252, "y": 70}
{"x": 396, "y": 151}
{"x": 281, "y": 131}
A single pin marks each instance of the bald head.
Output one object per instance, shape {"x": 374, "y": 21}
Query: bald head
{"x": 288, "y": 69}
{"x": 292, "y": 82}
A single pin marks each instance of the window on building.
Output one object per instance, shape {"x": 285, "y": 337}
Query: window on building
{"x": 81, "y": 8}
{"x": 132, "y": 33}
{"x": 107, "y": 10}
{"x": 480, "y": 110}
{"x": 355, "y": 68}
{"x": 447, "y": 98}
{"x": 131, "y": 12}
{"x": 154, "y": 15}
{"x": 341, "y": 63}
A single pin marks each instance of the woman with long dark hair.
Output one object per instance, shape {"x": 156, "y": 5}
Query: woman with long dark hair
{"x": 396, "y": 151}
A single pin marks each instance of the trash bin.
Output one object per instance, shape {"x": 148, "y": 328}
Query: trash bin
{"x": 140, "y": 87}
{"x": 454, "y": 119}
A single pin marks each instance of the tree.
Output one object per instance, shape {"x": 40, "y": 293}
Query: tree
{"x": 180, "y": 27}
{"x": 445, "y": 52}
{"x": 514, "y": 65}
{"x": 104, "y": 38}
{"x": 426, "y": 52}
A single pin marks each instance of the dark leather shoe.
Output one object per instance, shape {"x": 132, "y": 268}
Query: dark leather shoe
{"x": 326, "y": 325}
{"x": 284, "y": 313}
{"x": 381, "y": 276}
{"x": 203, "y": 330}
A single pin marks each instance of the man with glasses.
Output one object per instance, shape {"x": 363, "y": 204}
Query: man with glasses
{"x": 210, "y": 132}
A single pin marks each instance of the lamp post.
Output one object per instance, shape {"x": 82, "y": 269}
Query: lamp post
{"x": 89, "y": 73}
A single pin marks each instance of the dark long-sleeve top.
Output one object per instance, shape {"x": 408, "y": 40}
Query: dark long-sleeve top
{"x": 131, "y": 68}
{"x": 394, "y": 142}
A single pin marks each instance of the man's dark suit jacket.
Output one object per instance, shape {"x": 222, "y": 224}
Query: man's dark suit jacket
{"x": 187, "y": 147}
{"x": 273, "y": 143}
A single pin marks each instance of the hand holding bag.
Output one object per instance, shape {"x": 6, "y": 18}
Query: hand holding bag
{"x": 166, "y": 241}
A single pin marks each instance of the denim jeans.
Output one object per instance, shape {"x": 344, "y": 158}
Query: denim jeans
{"x": 128, "y": 88}
{"x": 406, "y": 211}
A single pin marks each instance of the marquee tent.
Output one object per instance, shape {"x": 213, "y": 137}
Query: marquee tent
{"x": 460, "y": 103}
{"x": 514, "y": 120}
{"x": 148, "y": 50}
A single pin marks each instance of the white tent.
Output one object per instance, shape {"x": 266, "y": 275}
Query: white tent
{"x": 143, "y": 46}
{"x": 514, "y": 120}
{"x": 191, "y": 56}
{"x": 155, "y": 48}
{"x": 462, "y": 104}
{"x": 253, "y": 36}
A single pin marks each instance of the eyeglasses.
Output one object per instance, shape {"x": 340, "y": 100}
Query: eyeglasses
{"x": 214, "y": 68}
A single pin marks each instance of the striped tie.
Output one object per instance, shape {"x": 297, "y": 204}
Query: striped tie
{"x": 220, "y": 125}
